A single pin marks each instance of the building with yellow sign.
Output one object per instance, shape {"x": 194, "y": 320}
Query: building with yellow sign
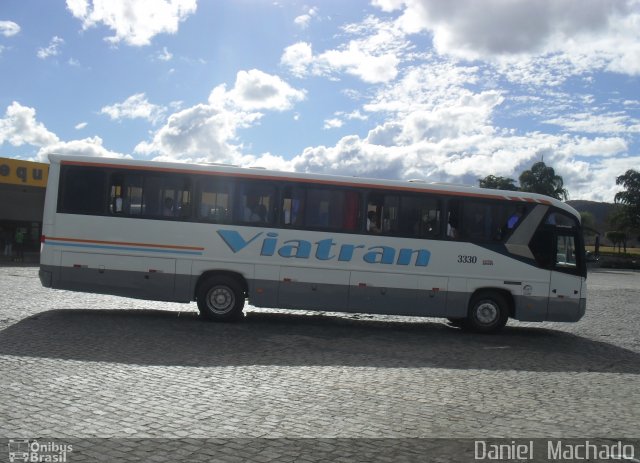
{"x": 22, "y": 189}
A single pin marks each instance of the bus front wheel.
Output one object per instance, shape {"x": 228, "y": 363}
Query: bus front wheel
{"x": 488, "y": 313}
{"x": 220, "y": 298}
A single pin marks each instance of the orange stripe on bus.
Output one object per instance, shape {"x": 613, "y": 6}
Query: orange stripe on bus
{"x": 121, "y": 243}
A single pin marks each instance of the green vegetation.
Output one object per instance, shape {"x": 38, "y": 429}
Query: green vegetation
{"x": 539, "y": 179}
{"x": 612, "y": 251}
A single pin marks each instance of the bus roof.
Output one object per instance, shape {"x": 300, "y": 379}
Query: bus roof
{"x": 467, "y": 191}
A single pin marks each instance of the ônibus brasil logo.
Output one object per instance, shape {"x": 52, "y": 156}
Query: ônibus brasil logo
{"x": 25, "y": 450}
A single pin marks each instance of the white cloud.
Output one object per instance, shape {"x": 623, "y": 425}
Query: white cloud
{"x": 423, "y": 88}
{"x": 257, "y": 90}
{"x": 373, "y": 56}
{"x": 19, "y": 127}
{"x": 164, "y": 55}
{"x": 303, "y": 20}
{"x": 91, "y": 146}
{"x": 542, "y": 42}
{"x": 354, "y": 60}
{"x": 466, "y": 158}
{"x": 297, "y": 58}
{"x": 53, "y": 49}
{"x": 80, "y": 125}
{"x": 388, "y": 5}
{"x": 437, "y": 128}
{"x": 201, "y": 132}
{"x": 134, "y": 22}
{"x": 9, "y": 28}
{"x": 597, "y": 123}
{"x": 135, "y": 107}
{"x": 334, "y": 123}
{"x": 208, "y": 131}
{"x": 471, "y": 29}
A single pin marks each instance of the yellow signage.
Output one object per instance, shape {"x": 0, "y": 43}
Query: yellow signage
{"x": 18, "y": 172}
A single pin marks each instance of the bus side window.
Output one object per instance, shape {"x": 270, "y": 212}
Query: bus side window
{"x": 373, "y": 214}
{"x": 213, "y": 200}
{"x": 255, "y": 202}
{"x": 125, "y": 194}
{"x": 453, "y": 220}
{"x": 292, "y": 207}
{"x": 419, "y": 217}
{"x": 166, "y": 196}
{"x": 82, "y": 191}
{"x": 351, "y": 211}
{"x": 430, "y": 213}
{"x": 542, "y": 247}
{"x": 115, "y": 199}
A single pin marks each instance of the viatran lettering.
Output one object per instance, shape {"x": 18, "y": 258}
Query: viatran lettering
{"x": 269, "y": 245}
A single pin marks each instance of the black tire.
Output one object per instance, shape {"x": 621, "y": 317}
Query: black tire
{"x": 220, "y": 298}
{"x": 488, "y": 313}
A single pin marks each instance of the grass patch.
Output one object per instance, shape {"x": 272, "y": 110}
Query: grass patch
{"x": 614, "y": 252}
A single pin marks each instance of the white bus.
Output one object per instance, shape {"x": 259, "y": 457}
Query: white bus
{"x": 220, "y": 235}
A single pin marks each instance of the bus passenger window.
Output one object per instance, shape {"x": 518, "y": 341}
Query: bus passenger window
{"x": 82, "y": 191}
{"x": 372, "y": 222}
{"x": 351, "y": 211}
{"x": 213, "y": 200}
{"x": 542, "y": 247}
{"x": 255, "y": 203}
{"x": 115, "y": 199}
{"x": 374, "y": 213}
{"x": 453, "y": 221}
{"x": 565, "y": 252}
{"x": 561, "y": 220}
{"x": 166, "y": 196}
{"x": 514, "y": 219}
{"x": 292, "y": 208}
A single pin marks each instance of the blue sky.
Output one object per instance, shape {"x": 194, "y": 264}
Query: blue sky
{"x": 445, "y": 91}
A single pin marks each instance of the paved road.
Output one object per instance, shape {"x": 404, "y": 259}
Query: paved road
{"x": 81, "y": 366}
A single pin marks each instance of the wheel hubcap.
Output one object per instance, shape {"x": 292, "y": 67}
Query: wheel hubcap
{"x": 486, "y": 313}
{"x": 221, "y": 299}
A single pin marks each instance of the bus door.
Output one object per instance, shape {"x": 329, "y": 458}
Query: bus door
{"x": 565, "y": 285}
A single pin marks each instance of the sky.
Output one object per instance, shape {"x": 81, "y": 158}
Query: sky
{"x": 444, "y": 91}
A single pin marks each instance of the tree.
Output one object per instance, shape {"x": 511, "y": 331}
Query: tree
{"x": 629, "y": 199}
{"x": 498, "y": 183}
{"x": 543, "y": 179}
{"x": 618, "y": 238}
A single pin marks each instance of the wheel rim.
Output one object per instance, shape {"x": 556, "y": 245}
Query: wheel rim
{"x": 487, "y": 312}
{"x": 220, "y": 299}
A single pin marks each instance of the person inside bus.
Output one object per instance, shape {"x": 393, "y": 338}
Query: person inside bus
{"x": 168, "y": 207}
{"x": 515, "y": 218}
{"x": 372, "y": 223}
{"x": 261, "y": 212}
{"x": 452, "y": 226}
{"x": 251, "y": 209}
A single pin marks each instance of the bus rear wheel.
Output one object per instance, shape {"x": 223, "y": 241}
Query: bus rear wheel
{"x": 488, "y": 313}
{"x": 220, "y": 298}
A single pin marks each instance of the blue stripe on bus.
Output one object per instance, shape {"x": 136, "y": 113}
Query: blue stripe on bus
{"x": 123, "y": 248}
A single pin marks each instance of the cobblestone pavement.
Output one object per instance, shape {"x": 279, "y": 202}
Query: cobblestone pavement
{"x": 76, "y": 365}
